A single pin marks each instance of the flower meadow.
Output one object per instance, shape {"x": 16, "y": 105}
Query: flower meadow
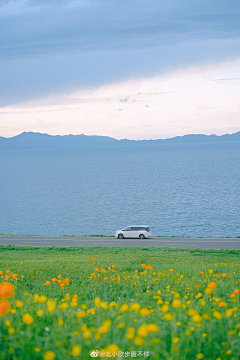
{"x": 83, "y": 303}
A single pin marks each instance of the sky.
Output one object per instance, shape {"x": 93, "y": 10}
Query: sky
{"x": 136, "y": 69}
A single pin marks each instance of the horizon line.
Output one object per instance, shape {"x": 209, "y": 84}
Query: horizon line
{"x": 107, "y": 136}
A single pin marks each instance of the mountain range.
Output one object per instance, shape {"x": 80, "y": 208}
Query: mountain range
{"x": 33, "y": 140}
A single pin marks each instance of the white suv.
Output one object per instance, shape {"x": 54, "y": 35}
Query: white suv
{"x": 134, "y": 231}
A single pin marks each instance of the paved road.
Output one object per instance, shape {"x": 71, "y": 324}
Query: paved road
{"x": 192, "y": 243}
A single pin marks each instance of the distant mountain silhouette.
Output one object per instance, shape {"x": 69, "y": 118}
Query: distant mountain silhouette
{"x": 32, "y": 140}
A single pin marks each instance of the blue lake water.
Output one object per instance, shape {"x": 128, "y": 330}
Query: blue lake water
{"x": 180, "y": 190}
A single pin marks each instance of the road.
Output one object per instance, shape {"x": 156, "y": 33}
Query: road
{"x": 192, "y": 243}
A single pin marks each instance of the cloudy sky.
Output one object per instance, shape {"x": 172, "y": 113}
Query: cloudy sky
{"x": 137, "y": 69}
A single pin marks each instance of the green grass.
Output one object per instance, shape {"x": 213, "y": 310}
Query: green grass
{"x": 182, "y": 274}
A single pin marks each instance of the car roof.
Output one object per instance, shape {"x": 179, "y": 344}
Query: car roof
{"x": 137, "y": 226}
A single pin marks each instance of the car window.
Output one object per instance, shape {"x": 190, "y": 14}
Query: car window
{"x": 134, "y": 228}
{"x": 128, "y": 229}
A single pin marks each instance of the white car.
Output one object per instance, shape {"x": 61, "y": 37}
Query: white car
{"x": 134, "y": 231}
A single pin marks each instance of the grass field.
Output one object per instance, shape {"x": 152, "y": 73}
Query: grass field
{"x": 149, "y": 303}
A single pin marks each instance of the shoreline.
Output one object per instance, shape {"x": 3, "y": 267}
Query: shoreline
{"x": 113, "y": 236}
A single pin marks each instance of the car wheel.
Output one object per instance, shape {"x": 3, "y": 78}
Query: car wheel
{"x": 120, "y": 236}
{"x": 141, "y": 236}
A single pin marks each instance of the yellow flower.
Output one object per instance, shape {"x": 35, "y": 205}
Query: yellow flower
{"x": 67, "y": 296}
{"x": 51, "y": 306}
{"x": 178, "y": 323}
{"x": 232, "y": 332}
{"x": 104, "y": 305}
{"x": 97, "y": 301}
{"x": 81, "y": 314}
{"x": 36, "y": 298}
{"x": 175, "y": 340}
{"x": 168, "y": 317}
{"x": 138, "y": 341}
{"x": 63, "y": 305}
{"x": 7, "y": 322}
{"x": 40, "y": 313}
{"x": 217, "y": 315}
{"x": 152, "y": 328}
{"x": 228, "y": 312}
{"x": 191, "y": 312}
{"x": 19, "y": 304}
{"x": 200, "y": 356}
{"x": 129, "y": 335}
{"x": 176, "y": 295}
{"x": 143, "y": 330}
{"x": 60, "y": 322}
{"x": 27, "y": 319}
{"x": 208, "y": 291}
{"x": 135, "y": 307}
{"x": 144, "y": 312}
{"x": 49, "y": 355}
{"x": 131, "y": 329}
{"x": 197, "y": 318}
{"x": 105, "y": 327}
{"x": 121, "y": 325}
{"x": 112, "y": 348}
{"x": 206, "y": 317}
{"x": 176, "y": 304}
{"x": 36, "y": 349}
{"x": 124, "y": 308}
{"x": 73, "y": 304}
{"x": 87, "y": 334}
{"x": 42, "y": 298}
{"x": 11, "y": 330}
{"x": 165, "y": 308}
{"x": 204, "y": 335}
{"x": 76, "y": 350}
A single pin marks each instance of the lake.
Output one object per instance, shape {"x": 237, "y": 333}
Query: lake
{"x": 179, "y": 190}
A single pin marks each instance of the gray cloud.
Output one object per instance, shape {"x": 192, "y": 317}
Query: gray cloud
{"x": 59, "y": 45}
{"x": 230, "y": 79}
{"x": 48, "y": 27}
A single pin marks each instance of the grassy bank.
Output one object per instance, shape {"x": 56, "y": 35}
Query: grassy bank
{"x": 153, "y": 303}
